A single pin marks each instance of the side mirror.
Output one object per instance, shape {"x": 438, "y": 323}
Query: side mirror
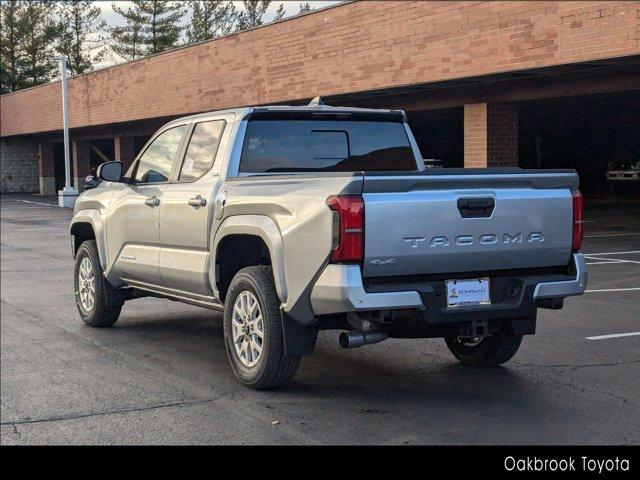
{"x": 110, "y": 172}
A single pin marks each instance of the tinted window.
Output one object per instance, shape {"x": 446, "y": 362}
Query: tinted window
{"x": 156, "y": 162}
{"x": 325, "y": 145}
{"x": 202, "y": 149}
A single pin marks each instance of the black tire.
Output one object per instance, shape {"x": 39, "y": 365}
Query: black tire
{"x": 107, "y": 302}
{"x": 489, "y": 352}
{"x": 273, "y": 367}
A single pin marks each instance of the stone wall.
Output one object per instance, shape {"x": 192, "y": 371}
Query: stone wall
{"x": 18, "y": 166}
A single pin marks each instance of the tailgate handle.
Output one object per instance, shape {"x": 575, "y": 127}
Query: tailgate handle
{"x": 476, "y": 207}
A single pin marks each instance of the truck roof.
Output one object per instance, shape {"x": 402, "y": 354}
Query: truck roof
{"x": 243, "y": 112}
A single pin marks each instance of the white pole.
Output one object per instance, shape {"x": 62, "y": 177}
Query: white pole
{"x": 68, "y": 195}
{"x": 65, "y": 124}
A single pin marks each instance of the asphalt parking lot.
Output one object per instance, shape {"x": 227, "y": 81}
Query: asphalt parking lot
{"x": 160, "y": 376}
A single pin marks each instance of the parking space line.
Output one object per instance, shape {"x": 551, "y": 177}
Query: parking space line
{"x": 630, "y": 252}
{"x": 607, "y": 260}
{"x": 613, "y": 290}
{"x": 611, "y": 235}
{"x": 39, "y": 203}
{"x": 613, "y": 335}
{"x": 14, "y": 208}
{"x": 604, "y": 263}
{"x": 20, "y": 217}
{"x": 38, "y": 229}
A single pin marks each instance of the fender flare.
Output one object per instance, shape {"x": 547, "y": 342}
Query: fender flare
{"x": 93, "y": 218}
{"x": 260, "y": 226}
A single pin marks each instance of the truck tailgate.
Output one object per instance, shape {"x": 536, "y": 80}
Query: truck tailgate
{"x": 466, "y": 222}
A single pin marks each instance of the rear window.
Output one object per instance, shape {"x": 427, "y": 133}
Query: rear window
{"x": 325, "y": 146}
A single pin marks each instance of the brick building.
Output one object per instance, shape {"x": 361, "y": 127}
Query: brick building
{"x": 493, "y": 83}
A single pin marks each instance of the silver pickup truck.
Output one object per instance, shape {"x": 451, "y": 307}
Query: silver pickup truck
{"x": 292, "y": 220}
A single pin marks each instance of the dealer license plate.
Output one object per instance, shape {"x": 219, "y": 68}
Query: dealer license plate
{"x": 474, "y": 291}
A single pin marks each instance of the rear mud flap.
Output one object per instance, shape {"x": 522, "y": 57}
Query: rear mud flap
{"x": 298, "y": 339}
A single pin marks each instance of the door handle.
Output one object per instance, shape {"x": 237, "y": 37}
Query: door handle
{"x": 476, "y": 207}
{"x": 197, "y": 202}
{"x": 152, "y": 201}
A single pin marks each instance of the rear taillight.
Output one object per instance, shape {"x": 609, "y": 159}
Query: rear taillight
{"x": 578, "y": 220}
{"x": 348, "y": 228}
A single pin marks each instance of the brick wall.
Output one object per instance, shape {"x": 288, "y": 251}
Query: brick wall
{"x": 475, "y": 135}
{"x": 490, "y": 135}
{"x": 502, "y": 135}
{"x": 18, "y": 167}
{"x": 125, "y": 150}
{"x": 46, "y": 169}
{"x": 80, "y": 162}
{"x": 352, "y": 47}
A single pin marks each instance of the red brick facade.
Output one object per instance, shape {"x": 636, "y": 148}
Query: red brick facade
{"x": 353, "y": 47}
{"x": 80, "y": 161}
{"x": 475, "y": 135}
{"x": 125, "y": 150}
{"x": 502, "y": 135}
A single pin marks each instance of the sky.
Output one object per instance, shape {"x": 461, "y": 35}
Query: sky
{"x": 114, "y": 19}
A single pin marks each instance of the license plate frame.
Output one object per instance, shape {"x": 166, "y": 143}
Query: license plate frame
{"x": 461, "y": 292}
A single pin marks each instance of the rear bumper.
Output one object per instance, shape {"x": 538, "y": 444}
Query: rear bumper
{"x": 565, "y": 288}
{"x": 339, "y": 289}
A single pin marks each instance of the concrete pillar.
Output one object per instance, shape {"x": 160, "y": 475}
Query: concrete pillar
{"x": 125, "y": 150}
{"x": 490, "y": 135}
{"x": 80, "y": 162}
{"x": 46, "y": 169}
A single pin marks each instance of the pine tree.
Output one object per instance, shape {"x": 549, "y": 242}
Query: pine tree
{"x": 128, "y": 41}
{"x": 10, "y": 13}
{"x": 78, "y": 20}
{"x": 279, "y": 13}
{"x": 305, "y": 8}
{"x": 152, "y": 26}
{"x": 162, "y": 25}
{"x": 253, "y": 12}
{"x": 37, "y": 32}
{"x": 210, "y": 19}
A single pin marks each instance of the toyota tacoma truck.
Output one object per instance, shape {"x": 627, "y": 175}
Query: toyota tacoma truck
{"x": 292, "y": 220}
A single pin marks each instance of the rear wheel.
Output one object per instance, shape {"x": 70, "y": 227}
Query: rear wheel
{"x": 98, "y": 302}
{"x": 253, "y": 331}
{"x": 486, "y": 352}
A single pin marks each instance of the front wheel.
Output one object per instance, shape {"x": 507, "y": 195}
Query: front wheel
{"x": 486, "y": 352}
{"x": 253, "y": 331}
{"x": 97, "y": 301}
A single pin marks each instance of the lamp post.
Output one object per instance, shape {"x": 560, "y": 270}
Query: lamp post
{"x": 67, "y": 196}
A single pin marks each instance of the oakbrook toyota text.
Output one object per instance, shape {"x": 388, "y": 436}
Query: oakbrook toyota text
{"x": 569, "y": 464}
{"x": 293, "y": 220}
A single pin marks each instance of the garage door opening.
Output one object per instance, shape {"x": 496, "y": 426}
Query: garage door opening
{"x": 595, "y": 134}
{"x": 440, "y": 135}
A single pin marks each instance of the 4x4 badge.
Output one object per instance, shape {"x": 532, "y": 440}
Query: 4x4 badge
{"x": 382, "y": 263}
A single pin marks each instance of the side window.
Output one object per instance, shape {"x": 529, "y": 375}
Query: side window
{"x": 156, "y": 162}
{"x": 201, "y": 152}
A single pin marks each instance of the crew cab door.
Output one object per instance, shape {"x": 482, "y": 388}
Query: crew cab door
{"x": 133, "y": 239}
{"x": 187, "y": 209}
